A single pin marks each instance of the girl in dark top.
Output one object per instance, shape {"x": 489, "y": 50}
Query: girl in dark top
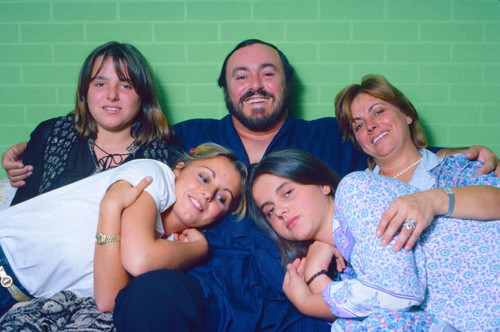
{"x": 117, "y": 118}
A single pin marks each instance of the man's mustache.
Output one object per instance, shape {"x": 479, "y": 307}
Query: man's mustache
{"x": 260, "y": 92}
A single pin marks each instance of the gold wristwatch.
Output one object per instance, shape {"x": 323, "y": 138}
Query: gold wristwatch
{"x": 101, "y": 238}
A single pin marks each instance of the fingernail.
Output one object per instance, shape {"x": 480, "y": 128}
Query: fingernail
{"x": 378, "y": 233}
{"x": 383, "y": 242}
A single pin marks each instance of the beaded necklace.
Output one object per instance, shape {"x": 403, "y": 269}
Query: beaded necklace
{"x": 407, "y": 169}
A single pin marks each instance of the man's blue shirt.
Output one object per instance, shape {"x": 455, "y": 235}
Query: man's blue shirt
{"x": 242, "y": 281}
{"x": 320, "y": 137}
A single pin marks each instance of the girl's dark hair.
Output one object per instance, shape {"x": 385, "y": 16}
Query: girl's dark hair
{"x": 130, "y": 65}
{"x": 300, "y": 167}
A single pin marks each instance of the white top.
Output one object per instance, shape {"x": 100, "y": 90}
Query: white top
{"x": 49, "y": 240}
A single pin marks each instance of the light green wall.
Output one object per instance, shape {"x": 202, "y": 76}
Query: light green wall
{"x": 444, "y": 54}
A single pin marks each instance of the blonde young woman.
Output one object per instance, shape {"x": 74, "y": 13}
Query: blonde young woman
{"x": 93, "y": 236}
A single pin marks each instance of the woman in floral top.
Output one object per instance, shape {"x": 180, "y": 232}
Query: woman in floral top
{"x": 447, "y": 278}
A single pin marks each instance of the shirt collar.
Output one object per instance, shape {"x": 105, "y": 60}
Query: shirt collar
{"x": 421, "y": 178}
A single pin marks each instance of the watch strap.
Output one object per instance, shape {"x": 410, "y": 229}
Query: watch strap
{"x": 451, "y": 201}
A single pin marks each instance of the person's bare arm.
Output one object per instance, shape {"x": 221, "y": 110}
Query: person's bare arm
{"x": 319, "y": 257}
{"x": 12, "y": 162}
{"x": 142, "y": 252}
{"x": 479, "y": 153}
{"x": 297, "y": 291}
{"x": 471, "y": 202}
{"x": 109, "y": 274}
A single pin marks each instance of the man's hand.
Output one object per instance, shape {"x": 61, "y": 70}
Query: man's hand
{"x": 479, "y": 153}
{"x": 12, "y": 162}
{"x": 486, "y": 156}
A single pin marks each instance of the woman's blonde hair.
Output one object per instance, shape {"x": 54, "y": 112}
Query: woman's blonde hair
{"x": 212, "y": 150}
{"x": 379, "y": 87}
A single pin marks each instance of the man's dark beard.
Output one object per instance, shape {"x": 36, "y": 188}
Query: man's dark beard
{"x": 262, "y": 123}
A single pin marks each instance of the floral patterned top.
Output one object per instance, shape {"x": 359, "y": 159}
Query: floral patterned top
{"x": 451, "y": 274}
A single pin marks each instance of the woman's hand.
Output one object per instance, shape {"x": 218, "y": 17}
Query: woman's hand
{"x": 301, "y": 296}
{"x": 122, "y": 194}
{"x": 421, "y": 207}
{"x": 195, "y": 239}
{"x": 294, "y": 286}
{"x": 190, "y": 235}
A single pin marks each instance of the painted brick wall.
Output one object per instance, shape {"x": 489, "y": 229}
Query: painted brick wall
{"x": 444, "y": 54}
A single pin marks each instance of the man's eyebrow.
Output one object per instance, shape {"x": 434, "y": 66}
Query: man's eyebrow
{"x": 238, "y": 69}
{"x": 261, "y": 66}
{"x": 265, "y": 65}
{"x": 214, "y": 176}
{"x": 277, "y": 190}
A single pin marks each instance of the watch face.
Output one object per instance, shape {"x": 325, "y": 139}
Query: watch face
{"x": 100, "y": 238}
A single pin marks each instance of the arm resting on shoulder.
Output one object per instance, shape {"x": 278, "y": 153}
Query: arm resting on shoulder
{"x": 12, "y": 162}
{"x": 479, "y": 153}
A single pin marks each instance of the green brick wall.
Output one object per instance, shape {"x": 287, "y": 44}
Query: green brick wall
{"x": 444, "y": 54}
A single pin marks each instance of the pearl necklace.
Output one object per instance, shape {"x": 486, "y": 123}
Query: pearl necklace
{"x": 407, "y": 169}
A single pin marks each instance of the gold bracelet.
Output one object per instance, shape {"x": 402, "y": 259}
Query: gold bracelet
{"x": 101, "y": 238}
